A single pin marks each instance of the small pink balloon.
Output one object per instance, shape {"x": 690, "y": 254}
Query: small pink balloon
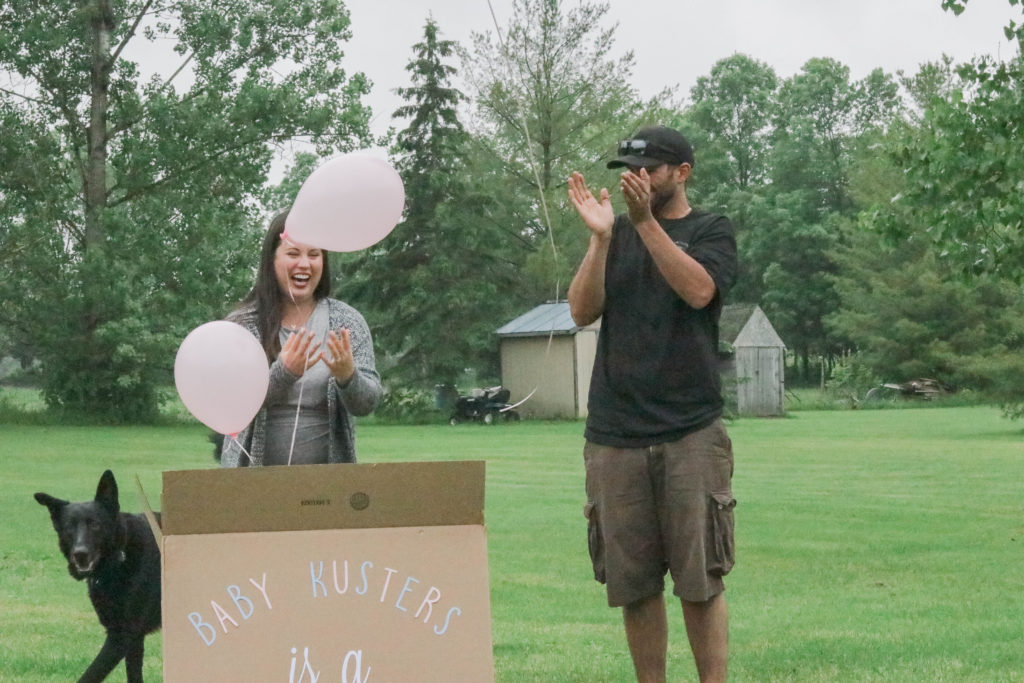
{"x": 222, "y": 375}
{"x": 349, "y": 203}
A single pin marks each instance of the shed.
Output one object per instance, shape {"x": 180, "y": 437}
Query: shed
{"x": 545, "y": 353}
{"x": 753, "y": 358}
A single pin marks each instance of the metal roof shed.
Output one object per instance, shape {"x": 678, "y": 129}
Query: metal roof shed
{"x": 543, "y": 351}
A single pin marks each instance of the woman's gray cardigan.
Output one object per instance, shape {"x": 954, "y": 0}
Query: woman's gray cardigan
{"x": 358, "y": 397}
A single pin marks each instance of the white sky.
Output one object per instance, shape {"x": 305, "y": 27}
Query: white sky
{"x": 677, "y": 41}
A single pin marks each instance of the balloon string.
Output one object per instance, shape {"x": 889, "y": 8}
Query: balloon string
{"x": 540, "y": 191}
{"x": 302, "y": 385}
{"x": 295, "y": 427}
{"x": 234, "y": 437}
{"x": 529, "y": 149}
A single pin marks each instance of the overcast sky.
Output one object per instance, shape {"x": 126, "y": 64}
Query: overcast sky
{"x": 677, "y": 41}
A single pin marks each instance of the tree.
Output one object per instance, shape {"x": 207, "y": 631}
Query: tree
{"x": 822, "y": 125}
{"x": 933, "y": 80}
{"x": 439, "y": 285}
{"x": 128, "y": 206}
{"x": 820, "y": 117}
{"x": 909, "y": 317}
{"x": 734, "y": 106}
{"x": 549, "y": 99}
{"x": 963, "y": 168}
{"x": 730, "y": 126}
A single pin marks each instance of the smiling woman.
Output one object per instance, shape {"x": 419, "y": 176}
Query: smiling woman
{"x": 322, "y": 366}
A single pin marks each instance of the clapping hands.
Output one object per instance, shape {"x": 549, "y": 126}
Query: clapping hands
{"x": 300, "y": 352}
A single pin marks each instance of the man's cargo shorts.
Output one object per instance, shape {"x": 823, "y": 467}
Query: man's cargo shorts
{"x": 664, "y": 508}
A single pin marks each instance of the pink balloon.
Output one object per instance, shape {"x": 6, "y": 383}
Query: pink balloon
{"x": 349, "y": 203}
{"x": 222, "y": 375}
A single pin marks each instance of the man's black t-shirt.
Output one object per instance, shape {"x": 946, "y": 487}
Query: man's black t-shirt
{"x": 655, "y": 375}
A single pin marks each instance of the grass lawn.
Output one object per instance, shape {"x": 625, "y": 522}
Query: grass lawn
{"x": 883, "y": 545}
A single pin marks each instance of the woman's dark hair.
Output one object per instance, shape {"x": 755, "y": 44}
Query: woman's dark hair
{"x": 266, "y": 296}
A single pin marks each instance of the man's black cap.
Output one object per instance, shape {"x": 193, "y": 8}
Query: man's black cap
{"x": 653, "y": 146}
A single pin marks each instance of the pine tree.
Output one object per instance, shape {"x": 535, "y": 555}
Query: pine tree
{"x": 438, "y": 286}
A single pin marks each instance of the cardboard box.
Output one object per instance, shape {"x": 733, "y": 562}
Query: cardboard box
{"x": 368, "y": 573}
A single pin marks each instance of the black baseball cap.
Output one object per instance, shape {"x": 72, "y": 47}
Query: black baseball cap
{"x": 653, "y": 146}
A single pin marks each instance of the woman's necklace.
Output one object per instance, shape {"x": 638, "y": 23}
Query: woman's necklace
{"x": 295, "y": 317}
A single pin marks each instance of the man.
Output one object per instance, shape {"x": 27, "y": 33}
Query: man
{"x": 658, "y": 460}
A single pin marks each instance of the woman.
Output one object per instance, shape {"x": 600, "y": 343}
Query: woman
{"x": 322, "y": 369}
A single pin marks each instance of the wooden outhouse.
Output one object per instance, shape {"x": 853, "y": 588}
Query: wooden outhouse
{"x": 753, "y": 360}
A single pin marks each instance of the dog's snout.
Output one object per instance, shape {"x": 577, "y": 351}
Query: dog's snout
{"x": 82, "y": 559}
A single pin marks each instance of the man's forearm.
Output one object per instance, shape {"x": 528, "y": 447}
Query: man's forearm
{"x": 586, "y": 293}
{"x": 684, "y": 275}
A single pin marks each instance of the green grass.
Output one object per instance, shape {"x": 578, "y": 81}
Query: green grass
{"x": 872, "y": 545}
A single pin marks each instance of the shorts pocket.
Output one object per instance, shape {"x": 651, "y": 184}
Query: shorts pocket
{"x": 594, "y": 541}
{"x": 721, "y": 544}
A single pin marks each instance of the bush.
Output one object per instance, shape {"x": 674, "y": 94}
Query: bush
{"x": 23, "y": 406}
{"x": 408, "y": 406}
{"x": 851, "y": 377}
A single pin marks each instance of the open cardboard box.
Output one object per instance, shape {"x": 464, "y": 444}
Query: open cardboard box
{"x": 326, "y": 573}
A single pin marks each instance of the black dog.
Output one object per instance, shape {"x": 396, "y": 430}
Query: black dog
{"x": 118, "y": 557}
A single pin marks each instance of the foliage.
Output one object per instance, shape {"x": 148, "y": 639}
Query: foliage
{"x": 549, "y": 98}
{"x": 851, "y": 377}
{"x": 729, "y": 125}
{"x": 812, "y": 128}
{"x": 282, "y": 195}
{"x": 964, "y": 168}
{"x": 127, "y": 202}
{"x": 734, "y": 106}
{"x": 909, "y": 317}
{"x": 407, "y": 406}
{"x": 439, "y": 285}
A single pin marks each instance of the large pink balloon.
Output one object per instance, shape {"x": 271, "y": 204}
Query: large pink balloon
{"x": 349, "y": 203}
{"x": 222, "y": 375}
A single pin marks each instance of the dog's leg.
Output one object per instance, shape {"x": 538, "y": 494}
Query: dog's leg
{"x": 133, "y": 658}
{"x": 112, "y": 652}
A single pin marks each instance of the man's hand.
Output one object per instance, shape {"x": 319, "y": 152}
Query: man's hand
{"x": 597, "y": 215}
{"x": 636, "y": 189}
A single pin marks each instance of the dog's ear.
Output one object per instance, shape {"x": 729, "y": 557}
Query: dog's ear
{"x": 106, "y": 492}
{"x": 55, "y": 505}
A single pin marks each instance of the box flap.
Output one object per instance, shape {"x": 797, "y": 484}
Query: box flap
{"x": 147, "y": 510}
{"x": 323, "y": 497}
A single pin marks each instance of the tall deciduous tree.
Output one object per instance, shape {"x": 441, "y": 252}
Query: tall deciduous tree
{"x": 730, "y": 126}
{"x": 963, "y": 167}
{"x": 821, "y": 116}
{"x": 734, "y": 105}
{"x": 127, "y": 203}
{"x": 549, "y": 98}
{"x": 439, "y": 285}
{"x": 822, "y": 122}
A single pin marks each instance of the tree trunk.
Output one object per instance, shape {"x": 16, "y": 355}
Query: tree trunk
{"x": 95, "y": 184}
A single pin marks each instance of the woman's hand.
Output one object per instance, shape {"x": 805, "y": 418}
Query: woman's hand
{"x": 298, "y": 353}
{"x": 636, "y": 189}
{"x": 340, "y": 361}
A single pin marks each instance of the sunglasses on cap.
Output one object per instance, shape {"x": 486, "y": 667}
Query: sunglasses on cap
{"x": 643, "y": 148}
